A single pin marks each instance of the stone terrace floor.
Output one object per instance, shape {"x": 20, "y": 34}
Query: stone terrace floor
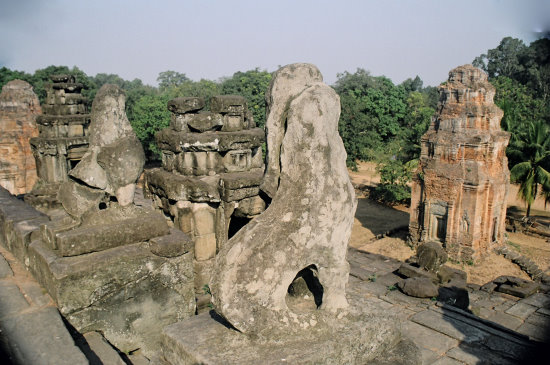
{"x": 508, "y": 330}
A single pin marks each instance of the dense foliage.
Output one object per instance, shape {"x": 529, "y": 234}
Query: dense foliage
{"x": 146, "y": 105}
{"x": 380, "y": 121}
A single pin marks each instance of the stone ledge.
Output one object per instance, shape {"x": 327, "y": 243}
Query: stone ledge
{"x": 205, "y": 339}
{"x": 168, "y": 139}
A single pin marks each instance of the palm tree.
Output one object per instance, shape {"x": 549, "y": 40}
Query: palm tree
{"x": 533, "y": 148}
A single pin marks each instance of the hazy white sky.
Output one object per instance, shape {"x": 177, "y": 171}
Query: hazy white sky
{"x": 215, "y": 38}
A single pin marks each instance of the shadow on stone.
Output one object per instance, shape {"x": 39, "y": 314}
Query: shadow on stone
{"x": 216, "y": 317}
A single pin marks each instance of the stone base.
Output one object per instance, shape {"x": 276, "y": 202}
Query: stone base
{"x": 43, "y": 197}
{"x": 207, "y": 339}
{"x": 127, "y": 293}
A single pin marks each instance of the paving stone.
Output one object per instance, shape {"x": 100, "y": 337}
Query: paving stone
{"x": 473, "y": 355}
{"x": 12, "y": 300}
{"x": 379, "y": 303}
{"x": 505, "y": 320}
{"x": 537, "y": 300}
{"x": 374, "y": 288}
{"x": 428, "y": 338}
{"x": 449, "y": 326}
{"x": 361, "y": 273}
{"x": 428, "y": 356}
{"x": 138, "y": 359}
{"x": 401, "y": 298}
{"x": 485, "y": 303}
{"x": 35, "y": 293}
{"x": 446, "y": 361}
{"x": 521, "y": 310}
{"x": 388, "y": 279}
{"x": 5, "y": 269}
{"x": 535, "y": 332}
{"x": 504, "y": 306}
{"x": 539, "y": 319}
{"x": 40, "y": 337}
{"x": 102, "y": 349}
{"x": 485, "y": 313}
{"x": 497, "y": 348}
{"x": 464, "y": 356}
{"x": 508, "y": 297}
{"x": 544, "y": 311}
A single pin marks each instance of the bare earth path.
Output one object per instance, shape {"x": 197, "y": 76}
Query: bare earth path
{"x": 373, "y": 221}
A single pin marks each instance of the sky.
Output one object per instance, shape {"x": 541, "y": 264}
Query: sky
{"x": 212, "y": 39}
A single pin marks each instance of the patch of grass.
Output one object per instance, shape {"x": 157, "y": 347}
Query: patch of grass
{"x": 392, "y": 287}
{"x": 206, "y": 289}
{"x": 372, "y": 278}
{"x": 516, "y": 246}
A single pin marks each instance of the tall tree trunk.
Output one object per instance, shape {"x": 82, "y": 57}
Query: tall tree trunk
{"x": 528, "y": 210}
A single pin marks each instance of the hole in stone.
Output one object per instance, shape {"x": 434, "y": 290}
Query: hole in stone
{"x": 73, "y": 163}
{"x": 305, "y": 292}
{"x": 102, "y": 205}
{"x": 236, "y": 224}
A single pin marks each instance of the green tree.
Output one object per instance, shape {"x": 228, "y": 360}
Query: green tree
{"x": 504, "y": 60}
{"x": 373, "y": 112}
{"x": 149, "y": 115}
{"x": 393, "y": 188}
{"x": 532, "y": 173}
{"x": 252, "y": 85}
{"x": 416, "y": 122}
{"x": 203, "y": 88}
{"x": 170, "y": 79}
{"x": 7, "y": 75}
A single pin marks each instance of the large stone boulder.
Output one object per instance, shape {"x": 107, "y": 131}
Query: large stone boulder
{"x": 419, "y": 287}
{"x": 431, "y": 256}
{"x": 308, "y": 223}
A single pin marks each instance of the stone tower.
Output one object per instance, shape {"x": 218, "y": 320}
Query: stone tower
{"x": 459, "y": 190}
{"x": 209, "y": 182}
{"x": 62, "y": 139}
{"x": 19, "y": 108}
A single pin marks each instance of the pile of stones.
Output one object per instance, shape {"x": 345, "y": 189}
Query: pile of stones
{"x": 110, "y": 265}
{"x": 212, "y": 167}
{"x": 526, "y": 264}
{"x": 426, "y": 276}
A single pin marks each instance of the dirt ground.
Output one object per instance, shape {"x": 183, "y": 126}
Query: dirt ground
{"x": 373, "y": 220}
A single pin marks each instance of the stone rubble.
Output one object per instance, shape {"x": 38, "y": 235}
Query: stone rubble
{"x": 110, "y": 265}
{"x": 208, "y": 184}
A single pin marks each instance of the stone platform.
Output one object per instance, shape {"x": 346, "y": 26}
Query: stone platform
{"x": 208, "y": 339}
{"x": 129, "y": 292}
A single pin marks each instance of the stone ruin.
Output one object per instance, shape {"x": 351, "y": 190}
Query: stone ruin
{"x": 459, "y": 190}
{"x": 62, "y": 139}
{"x": 212, "y": 166}
{"x": 109, "y": 264}
{"x": 301, "y": 237}
{"x": 19, "y": 108}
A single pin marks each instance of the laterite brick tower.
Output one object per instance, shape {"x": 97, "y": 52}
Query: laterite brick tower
{"x": 459, "y": 190}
